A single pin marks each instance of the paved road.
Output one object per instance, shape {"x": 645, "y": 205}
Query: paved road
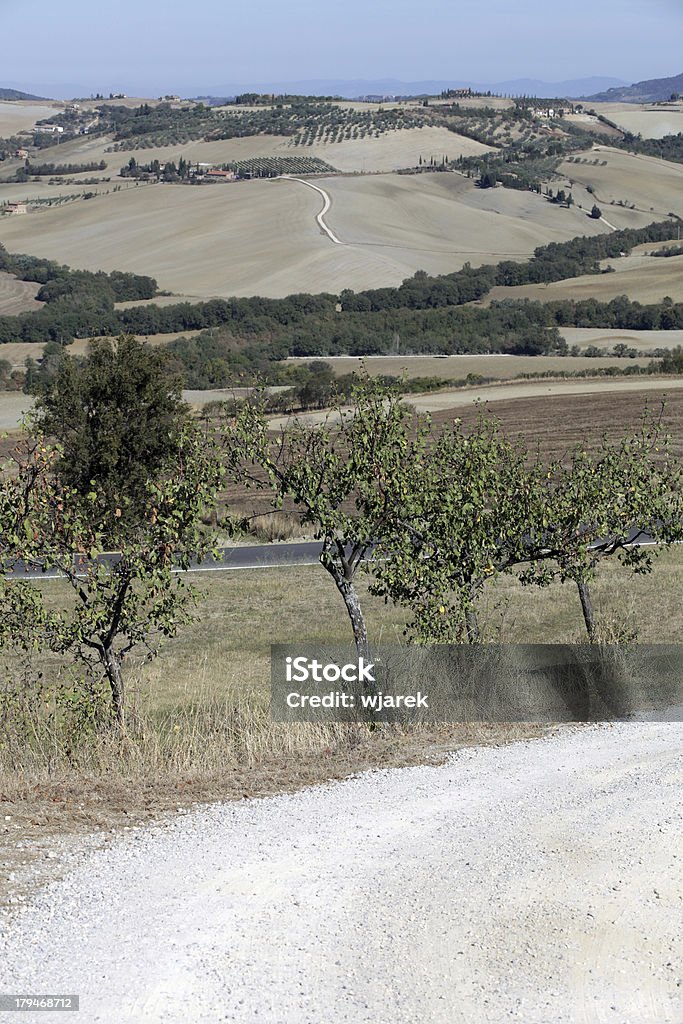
{"x": 248, "y": 556}
{"x": 537, "y": 882}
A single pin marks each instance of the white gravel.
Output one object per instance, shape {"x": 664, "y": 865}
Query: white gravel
{"x": 538, "y": 882}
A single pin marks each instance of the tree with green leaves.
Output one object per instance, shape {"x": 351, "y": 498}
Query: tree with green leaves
{"x": 347, "y": 477}
{"x": 464, "y": 520}
{"x": 605, "y": 503}
{"x": 119, "y": 603}
{"x": 117, "y": 416}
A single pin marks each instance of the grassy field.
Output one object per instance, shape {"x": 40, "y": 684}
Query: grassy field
{"x": 261, "y": 237}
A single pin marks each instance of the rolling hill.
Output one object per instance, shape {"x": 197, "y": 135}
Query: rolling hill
{"x": 643, "y": 92}
{"x": 15, "y": 94}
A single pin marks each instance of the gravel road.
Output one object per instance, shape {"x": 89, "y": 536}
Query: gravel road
{"x": 538, "y": 882}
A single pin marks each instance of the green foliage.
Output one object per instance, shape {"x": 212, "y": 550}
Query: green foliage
{"x": 118, "y": 417}
{"x": 464, "y": 520}
{"x": 345, "y": 477}
{"x": 121, "y": 604}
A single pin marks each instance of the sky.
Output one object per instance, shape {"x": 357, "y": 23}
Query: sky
{"x": 153, "y": 46}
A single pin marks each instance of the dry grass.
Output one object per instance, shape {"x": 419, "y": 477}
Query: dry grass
{"x": 21, "y": 115}
{"x": 17, "y": 296}
{"x": 261, "y": 237}
{"x": 500, "y": 367}
{"x": 200, "y": 728}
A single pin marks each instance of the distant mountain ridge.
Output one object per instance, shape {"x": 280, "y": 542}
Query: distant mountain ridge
{"x": 353, "y": 88}
{"x": 643, "y": 92}
{"x": 16, "y": 94}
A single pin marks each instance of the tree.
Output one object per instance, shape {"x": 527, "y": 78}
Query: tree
{"x": 118, "y": 418}
{"x": 119, "y": 603}
{"x": 596, "y": 212}
{"x": 603, "y": 503}
{"x": 346, "y": 477}
{"x": 464, "y": 520}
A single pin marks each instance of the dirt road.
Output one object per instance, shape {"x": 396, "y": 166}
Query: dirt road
{"x": 538, "y": 882}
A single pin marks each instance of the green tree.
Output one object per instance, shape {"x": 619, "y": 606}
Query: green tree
{"x": 118, "y": 417}
{"x": 465, "y": 516}
{"x": 596, "y": 212}
{"x": 347, "y": 478}
{"x": 600, "y": 504}
{"x": 119, "y": 603}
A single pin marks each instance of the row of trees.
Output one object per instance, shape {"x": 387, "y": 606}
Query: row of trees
{"x": 115, "y": 461}
{"x": 443, "y": 514}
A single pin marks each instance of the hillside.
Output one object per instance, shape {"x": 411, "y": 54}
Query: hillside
{"x": 643, "y": 92}
{"x": 14, "y": 94}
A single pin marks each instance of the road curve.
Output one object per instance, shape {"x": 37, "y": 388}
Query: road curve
{"x": 326, "y": 205}
{"x": 538, "y": 882}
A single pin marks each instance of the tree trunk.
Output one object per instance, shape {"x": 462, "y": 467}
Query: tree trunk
{"x": 587, "y": 609}
{"x": 112, "y": 668}
{"x": 356, "y": 617}
{"x": 472, "y": 627}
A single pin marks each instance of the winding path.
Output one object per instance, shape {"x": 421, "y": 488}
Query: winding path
{"x": 326, "y": 205}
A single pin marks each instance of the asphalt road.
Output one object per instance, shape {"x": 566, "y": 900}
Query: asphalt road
{"x": 252, "y": 556}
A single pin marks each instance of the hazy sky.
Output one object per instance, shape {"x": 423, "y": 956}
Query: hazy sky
{"x": 160, "y": 45}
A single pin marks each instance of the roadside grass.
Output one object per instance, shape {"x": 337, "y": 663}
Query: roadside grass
{"x": 199, "y": 727}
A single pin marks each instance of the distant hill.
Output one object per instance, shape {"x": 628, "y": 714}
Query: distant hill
{"x": 643, "y": 92}
{"x": 352, "y": 88}
{"x": 15, "y": 94}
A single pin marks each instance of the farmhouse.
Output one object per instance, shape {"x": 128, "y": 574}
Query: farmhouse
{"x": 21, "y": 154}
{"x": 216, "y": 175}
{"x": 14, "y": 208}
{"x": 48, "y": 129}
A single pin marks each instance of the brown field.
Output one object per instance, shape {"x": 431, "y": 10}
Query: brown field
{"x": 391, "y": 151}
{"x": 543, "y": 390}
{"x": 456, "y": 367}
{"x": 261, "y": 237}
{"x": 555, "y": 423}
{"x": 17, "y": 296}
{"x": 655, "y": 186}
{"x": 20, "y": 115}
{"x": 643, "y": 341}
{"x": 641, "y": 279}
{"x": 644, "y": 119}
{"x": 648, "y": 390}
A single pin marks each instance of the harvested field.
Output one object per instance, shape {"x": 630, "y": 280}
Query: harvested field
{"x": 391, "y": 151}
{"x": 17, "y": 296}
{"x": 646, "y": 120}
{"x": 642, "y": 279}
{"x": 655, "y": 186}
{"x": 20, "y": 116}
{"x": 396, "y": 149}
{"x": 648, "y": 390}
{"x": 643, "y": 341}
{"x": 555, "y": 423}
{"x": 461, "y": 399}
{"x": 13, "y": 406}
{"x": 455, "y": 367}
{"x": 261, "y": 237}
